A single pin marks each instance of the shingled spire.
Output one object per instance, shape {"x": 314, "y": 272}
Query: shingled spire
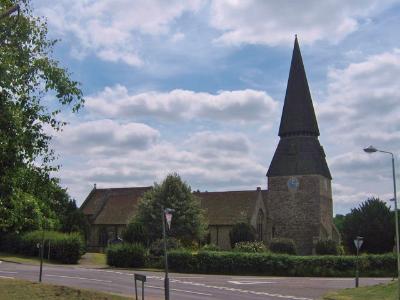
{"x": 299, "y": 151}
{"x": 298, "y": 117}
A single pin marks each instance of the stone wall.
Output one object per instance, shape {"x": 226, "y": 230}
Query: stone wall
{"x": 302, "y": 215}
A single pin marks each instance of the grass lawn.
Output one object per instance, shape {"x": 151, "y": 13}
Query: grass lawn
{"x": 21, "y": 289}
{"x": 21, "y": 258}
{"x": 375, "y": 292}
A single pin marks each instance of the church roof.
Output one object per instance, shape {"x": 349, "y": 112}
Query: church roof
{"x": 112, "y": 206}
{"x": 298, "y": 114}
{"x": 228, "y": 208}
{"x": 299, "y": 151}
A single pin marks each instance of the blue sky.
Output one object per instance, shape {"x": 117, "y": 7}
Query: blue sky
{"x": 197, "y": 87}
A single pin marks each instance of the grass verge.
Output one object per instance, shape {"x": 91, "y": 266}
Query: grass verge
{"x": 21, "y": 289}
{"x": 22, "y": 259}
{"x": 374, "y": 292}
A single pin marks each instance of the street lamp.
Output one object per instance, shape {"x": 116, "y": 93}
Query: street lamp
{"x": 166, "y": 217}
{"x": 372, "y": 149}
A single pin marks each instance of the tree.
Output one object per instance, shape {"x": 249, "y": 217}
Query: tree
{"x": 373, "y": 221}
{"x": 242, "y": 232}
{"x": 28, "y": 74}
{"x": 188, "y": 222}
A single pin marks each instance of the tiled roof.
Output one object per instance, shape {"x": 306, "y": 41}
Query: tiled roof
{"x": 228, "y": 208}
{"x": 298, "y": 114}
{"x": 113, "y": 206}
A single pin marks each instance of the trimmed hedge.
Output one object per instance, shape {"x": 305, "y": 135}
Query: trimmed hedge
{"x": 283, "y": 246}
{"x": 281, "y": 265}
{"x": 250, "y": 247}
{"x": 126, "y": 255}
{"x": 327, "y": 247}
{"x": 66, "y": 248}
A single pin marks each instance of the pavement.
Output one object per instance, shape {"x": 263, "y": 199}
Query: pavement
{"x": 185, "y": 286}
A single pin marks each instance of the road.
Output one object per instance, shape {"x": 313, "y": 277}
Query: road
{"x": 185, "y": 286}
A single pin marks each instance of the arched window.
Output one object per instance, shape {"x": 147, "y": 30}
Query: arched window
{"x": 260, "y": 225}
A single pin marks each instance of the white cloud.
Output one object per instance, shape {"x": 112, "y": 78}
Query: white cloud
{"x": 276, "y": 22}
{"x": 112, "y": 29}
{"x": 105, "y": 137}
{"x": 244, "y": 105}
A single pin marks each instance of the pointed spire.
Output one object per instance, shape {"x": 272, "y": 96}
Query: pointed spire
{"x": 298, "y": 116}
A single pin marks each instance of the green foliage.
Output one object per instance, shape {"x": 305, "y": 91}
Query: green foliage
{"x": 327, "y": 247}
{"x": 242, "y": 232}
{"x": 372, "y": 220}
{"x": 250, "y": 247}
{"x": 64, "y": 247}
{"x": 210, "y": 247}
{"x": 28, "y": 74}
{"x": 282, "y": 245}
{"x": 157, "y": 247}
{"x": 188, "y": 221}
{"x": 268, "y": 264}
{"x": 134, "y": 233}
{"x": 126, "y": 255}
{"x": 338, "y": 220}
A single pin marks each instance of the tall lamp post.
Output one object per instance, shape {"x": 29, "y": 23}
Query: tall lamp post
{"x": 372, "y": 149}
{"x": 166, "y": 217}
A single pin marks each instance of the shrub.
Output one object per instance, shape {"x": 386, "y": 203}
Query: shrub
{"x": 269, "y": 264}
{"x": 134, "y": 233}
{"x": 282, "y": 245}
{"x": 126, "y": 255}
{"x": 327, "y": 247}
{"x": 62, "y": 247}
{"x": 157, "y": 247}
{"x": 210, "y": 247}
{"x": 250, "y": 247}
{"x": 241, "y": 232}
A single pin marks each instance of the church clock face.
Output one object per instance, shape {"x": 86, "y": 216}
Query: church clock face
{"x": 293, "y": 184}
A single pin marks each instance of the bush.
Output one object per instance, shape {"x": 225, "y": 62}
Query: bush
{"x": 242, "y": 232}
{"x": 282, "y": 245}
{"x": 250, "y": 247}
{"x": 211, "y": 247}
{"x": 134, "y": 233}
{"x": 126, "y": 255}
{"x": 64, "y": 247}
{"x": 157, "y": 247}
{"x": 327, "y": 247}
{"x": 268, "y": 264}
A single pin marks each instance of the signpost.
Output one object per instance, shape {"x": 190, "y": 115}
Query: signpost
{"x": 358, "y": 243}
{"x": 142, "y": 278}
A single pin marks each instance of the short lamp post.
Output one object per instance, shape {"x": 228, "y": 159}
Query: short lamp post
{"x": 372, "y": 149}
{"x": 166, "y": 218}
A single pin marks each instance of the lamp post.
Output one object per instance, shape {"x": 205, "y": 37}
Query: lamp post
{"x": 372, "y": 149}
{"x": 166, "y": 216}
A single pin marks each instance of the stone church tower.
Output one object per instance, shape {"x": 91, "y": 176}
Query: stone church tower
{"x": 299, "y": 180}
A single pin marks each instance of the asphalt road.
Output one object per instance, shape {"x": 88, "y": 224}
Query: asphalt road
{"x": 185, "y": 286}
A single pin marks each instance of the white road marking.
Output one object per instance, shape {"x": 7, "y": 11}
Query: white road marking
{"x": 188, "y": 277}
{"x": 249, "y": 282}
{"x": 80, "y": 278}
{"x": 7, "y": 277}
{"x": 8, "y": 272}
{"x": 178, "y": 290}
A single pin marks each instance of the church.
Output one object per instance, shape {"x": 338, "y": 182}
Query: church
{"x": 296, "y": 205}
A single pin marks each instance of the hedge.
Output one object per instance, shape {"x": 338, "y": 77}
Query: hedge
{"x": 212, "y": 262}
{"x": 64, "y": 247}
{"x": 126, "y": 255}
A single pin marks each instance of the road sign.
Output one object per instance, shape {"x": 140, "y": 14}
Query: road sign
{"x": 168, "y": 217}
{"x": 358, "y": 243}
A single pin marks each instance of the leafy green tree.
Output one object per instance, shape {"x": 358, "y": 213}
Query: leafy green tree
{"x": 372, "y": 220}
{"x": 135, "y": 233}
{"x": 188, "y": 223}
{"x": 242, "y": 232}
{"x": 33, "y": 90}
{"x": 338, "y": 220}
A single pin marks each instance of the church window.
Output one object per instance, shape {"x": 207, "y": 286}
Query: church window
{"x": 273, "y": 231}
{"x": 260, "y": 225}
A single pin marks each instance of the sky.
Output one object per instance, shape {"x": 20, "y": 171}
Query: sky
{"x": 197, "y": 87}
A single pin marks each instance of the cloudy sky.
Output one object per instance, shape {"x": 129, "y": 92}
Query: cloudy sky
{"x": 197, "y": 87}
